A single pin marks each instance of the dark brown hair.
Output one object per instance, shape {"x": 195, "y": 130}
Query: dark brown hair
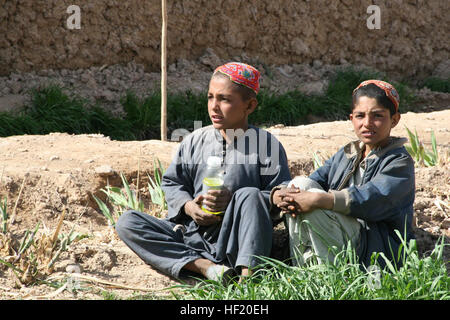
{"x": 373, "y": 91}
{"x": 246, "y": 93}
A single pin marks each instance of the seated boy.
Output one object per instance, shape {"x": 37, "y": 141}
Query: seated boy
{"x": 253, "y": 161}
{"x": 362, "y": 194}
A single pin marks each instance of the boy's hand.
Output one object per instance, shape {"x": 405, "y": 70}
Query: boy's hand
{"x": 193, "y": 209}
{"x": 283, "y": 199}
{"x": 217, "y": 200}
{"x": 305, "y": 201}
{"x": 297, "y": 203}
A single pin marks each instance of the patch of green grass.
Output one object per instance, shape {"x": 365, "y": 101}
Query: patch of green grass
{"x": 143, "y": 114}
{"x": 121, "y": 200}
{"x": 51, "y": 110}
{"x": 437, "y": 84}
{"x": 345, "y": 279}
{"x": 342, "y": 84}
{"x": 183, "y": 109}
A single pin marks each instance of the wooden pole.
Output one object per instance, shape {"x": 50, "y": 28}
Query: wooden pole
{"x": 164, "y": 72}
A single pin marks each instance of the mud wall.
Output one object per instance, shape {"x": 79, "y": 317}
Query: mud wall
{"x": 412, "y": 39}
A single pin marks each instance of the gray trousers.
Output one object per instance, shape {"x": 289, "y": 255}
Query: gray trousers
{"x": 319, "y": 233}
{"x": 244, "y": 233}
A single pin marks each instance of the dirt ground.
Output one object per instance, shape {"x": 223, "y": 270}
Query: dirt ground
{"x": 42, "y": 175}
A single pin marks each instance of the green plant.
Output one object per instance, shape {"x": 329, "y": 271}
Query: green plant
{"x": 418, "y": 152}
{"x": 4, "y": 215}
{"x": 317, "y": 161}
{"x": 122, "y": 200}
{"x": 154, "y": 186}
{"x": 437, "y": 84}
{"x": 183, "y": 109}
{"x": 51, "y": 110}
{"x": 342, "y": 279}
{"x": 142, "y": 114}
{"x": 105, "y": 211}
{"x": 339, "y": 91}
{"x": 37, "y": 251}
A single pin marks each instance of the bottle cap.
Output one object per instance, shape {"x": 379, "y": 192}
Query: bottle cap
{"x": 214, "y": 161}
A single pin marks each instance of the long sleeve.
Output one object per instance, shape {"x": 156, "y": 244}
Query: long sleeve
{"x": 280, "y": 176}
{"x": 321, "y": 175}
{"x": 384, "y": 195}
{"x": 177, "y": 185}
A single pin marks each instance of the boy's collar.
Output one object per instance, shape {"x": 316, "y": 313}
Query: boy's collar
{"x": 236, "y": 137}
{"x": 356, "y": 147}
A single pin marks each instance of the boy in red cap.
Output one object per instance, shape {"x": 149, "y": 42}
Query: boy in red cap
{"x": 253, "y": 162}
{"x": 363, "y": 194}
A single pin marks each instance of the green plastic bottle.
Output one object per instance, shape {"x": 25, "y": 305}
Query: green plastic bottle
{"x": 213, "y": 179}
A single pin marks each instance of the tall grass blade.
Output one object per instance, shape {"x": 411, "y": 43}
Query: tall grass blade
{"x": 154, "y": 186}
{"x": 104, "y": 209}
{"x": 4, "y": 214}
{"x": 317, "y": 162}
{"x": 434, "y": 148}
{"x": 131, "y": 203}
{"x": 26, "y": 242}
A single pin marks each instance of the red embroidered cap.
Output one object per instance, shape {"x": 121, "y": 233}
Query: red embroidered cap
{"x": 389, "y": 89}
{"x": 241, "y": 73}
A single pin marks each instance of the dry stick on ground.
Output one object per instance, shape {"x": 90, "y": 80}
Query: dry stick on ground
{"x": 105, "y": 282}
{"x": 64, "y": 242}
{"x": 51, "y": 295}
{"x": 58, "y": 227}
{"x": 114, "y": 285}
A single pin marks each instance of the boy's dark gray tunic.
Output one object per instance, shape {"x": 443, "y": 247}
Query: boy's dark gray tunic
{"x": 253, "y": 165}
